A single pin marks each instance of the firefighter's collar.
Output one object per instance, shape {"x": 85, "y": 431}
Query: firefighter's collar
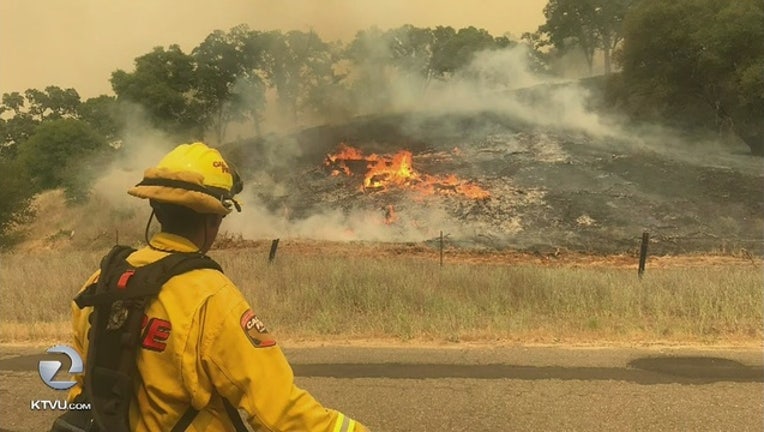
{"x": 173, "y": 242}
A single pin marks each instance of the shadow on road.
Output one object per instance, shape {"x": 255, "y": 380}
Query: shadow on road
{"x": 665, "y": 370}
{"x": 647, "y": 370}
{"x": 703, "y": 368}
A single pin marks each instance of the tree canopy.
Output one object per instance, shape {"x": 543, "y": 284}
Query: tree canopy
{"x": 15, "y": 195}
{"x": 589, "y": 25}
{"x": 55, "y": 148}
{"x": 689, "y": 52}
{"x": 229, "y": 81}
{"x": 161, "y": 83}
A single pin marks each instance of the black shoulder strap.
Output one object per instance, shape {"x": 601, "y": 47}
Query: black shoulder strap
{"x": 116, "y": 256}
{"x": 145, "y": 281}
{"x": 118, "y": 300}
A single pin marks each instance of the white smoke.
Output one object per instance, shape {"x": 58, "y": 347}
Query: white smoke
{"x": 141, "y": 147}
{"x": 497, "y": 81}
{"x": 500, "y": 81}
{"x": 413, "y": 223}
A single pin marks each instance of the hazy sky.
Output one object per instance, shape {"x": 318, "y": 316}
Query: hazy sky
{"x": 78, "y": 43}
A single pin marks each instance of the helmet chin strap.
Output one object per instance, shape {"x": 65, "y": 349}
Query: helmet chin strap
{"x": 146, "y": 231}
{"x": 148, "y": 241}
{"x": 204, "y": 245}
{"x": 207, "y": 237}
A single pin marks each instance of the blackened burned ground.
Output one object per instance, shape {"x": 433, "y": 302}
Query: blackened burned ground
{"x": 550, "y": 189}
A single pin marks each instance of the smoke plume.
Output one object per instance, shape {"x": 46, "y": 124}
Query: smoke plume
{"x": 496, "y": 81}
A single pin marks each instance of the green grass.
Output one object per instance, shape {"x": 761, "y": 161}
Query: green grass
{"x": 333, "y": 297}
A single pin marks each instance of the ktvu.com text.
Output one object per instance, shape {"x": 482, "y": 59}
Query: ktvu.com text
{"x": 48, "y": 370}
{"x": 60, "y": 405}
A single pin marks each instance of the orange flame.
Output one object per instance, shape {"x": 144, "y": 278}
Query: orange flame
{"x": 397, "y": 171}
{"x": 345, "y": 153}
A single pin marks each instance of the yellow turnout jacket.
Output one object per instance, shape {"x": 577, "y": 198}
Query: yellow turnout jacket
{"x": 201, "y": 342}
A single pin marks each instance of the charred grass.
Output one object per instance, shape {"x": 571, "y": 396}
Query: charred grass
{"x": 330, "y": 297}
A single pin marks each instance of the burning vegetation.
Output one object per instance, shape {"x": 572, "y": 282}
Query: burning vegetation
{"x": 384, "y": 172}
{"x": 378, "y": 173}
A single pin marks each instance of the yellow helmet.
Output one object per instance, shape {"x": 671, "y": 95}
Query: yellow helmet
{"x": 194, "y": 176}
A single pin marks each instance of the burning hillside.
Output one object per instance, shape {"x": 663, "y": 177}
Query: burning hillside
{"x": 484, "y": 181}
{"x": 493, "y": 182}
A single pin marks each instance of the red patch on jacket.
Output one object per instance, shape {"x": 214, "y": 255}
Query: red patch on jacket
{"x": 255, "y": 330}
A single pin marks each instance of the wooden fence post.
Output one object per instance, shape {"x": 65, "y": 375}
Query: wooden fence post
{"x": 643, "y": 254}
{"x": 441, "y": 248}
{"x": 272, "y": 254}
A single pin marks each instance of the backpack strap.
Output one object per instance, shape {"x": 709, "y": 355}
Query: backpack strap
{"x": 233, "y": 414}
{"x": 119, "y": 299}
{"x": 116, "y": 255}
{"x": 235, "y": 417}
{"x": 185, "y": 421}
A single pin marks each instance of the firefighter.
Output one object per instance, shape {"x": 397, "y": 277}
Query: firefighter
{"x": 203, "y": 350}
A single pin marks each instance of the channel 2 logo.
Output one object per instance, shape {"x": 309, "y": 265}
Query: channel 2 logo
{"x": 49, "y": 368}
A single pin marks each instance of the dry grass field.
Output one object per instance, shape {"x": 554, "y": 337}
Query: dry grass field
{"x": 346, "y": 291}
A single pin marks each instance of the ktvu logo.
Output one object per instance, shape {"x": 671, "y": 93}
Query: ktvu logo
{"x": 49, "y": 368}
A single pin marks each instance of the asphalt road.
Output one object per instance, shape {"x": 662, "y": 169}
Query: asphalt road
{"x": 458, "y": 388}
